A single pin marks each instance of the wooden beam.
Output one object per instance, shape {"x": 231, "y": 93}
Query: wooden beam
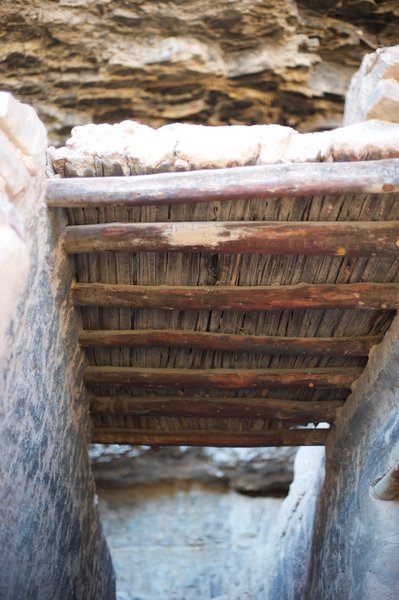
{"x": 199, "y": 340}
{"x": 298, "y": 179}
{"x": 241, "y": 298}
{"x": 247, "y": 408}
{"x": 227, "y": 439}
{"x": 322, "y": 377}
{"x": 310, "y": 238}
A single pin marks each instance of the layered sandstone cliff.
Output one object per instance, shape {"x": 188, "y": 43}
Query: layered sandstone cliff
{"x": 215, "y": 62}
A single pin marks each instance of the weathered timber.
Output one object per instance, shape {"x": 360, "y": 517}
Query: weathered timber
{"x": 322, "y": 377}
{"x": 297, "y": 179}
{"x": 241, "y": 298}
{"x": 310, "y": 238}
{"x": 339, "y": 346}
{"x": 251, "y": 408}
{"x": 234, "y": 439}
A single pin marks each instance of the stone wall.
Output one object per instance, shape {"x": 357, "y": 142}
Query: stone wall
{"x": 356, "y": 539}
{"x": 289, "y": 571}
{"x": 51, "y": 542}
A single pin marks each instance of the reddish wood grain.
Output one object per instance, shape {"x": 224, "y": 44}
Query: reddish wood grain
{"x": 310, "y": 238}
{"x": 339, "y": 346}
{"x": 241, "y": 298}
{"x": 321, "y": 377}
{"x": 252, "y": 408}
{"x": 234, "y": 439}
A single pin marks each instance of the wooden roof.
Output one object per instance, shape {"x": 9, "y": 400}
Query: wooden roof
{"x": 230, "y": 307}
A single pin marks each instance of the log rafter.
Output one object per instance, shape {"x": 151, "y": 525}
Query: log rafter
{"x": 310, "y": 238}
{"x": 219, "y": 438}
{"x": 320, "y": 377}
{"x": 256, "y": 408}
{"x": 374, "y": 296}
{"x": 333, "y": 346}
{"x": 297, "y": 179}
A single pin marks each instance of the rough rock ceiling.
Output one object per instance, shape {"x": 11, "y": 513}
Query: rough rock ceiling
{"x": 214, "y": 61}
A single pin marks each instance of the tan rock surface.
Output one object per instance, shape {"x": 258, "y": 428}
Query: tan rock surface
{"x": 216, "y": 62}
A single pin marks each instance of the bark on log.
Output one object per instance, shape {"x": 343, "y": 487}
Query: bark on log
{"x": 242, "y": 298}
{"x": 232, "y": 439}
{"x": 322, "y": 377}
{"x": 308, "y": 238}
{"x": 339, "y": 346}
{"x": 297, "y": 179}
{"x": 249, "y": 408}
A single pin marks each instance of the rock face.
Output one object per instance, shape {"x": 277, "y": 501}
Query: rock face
{"x": 189, "y": 541}
{"x": 253, "y": 471}
{"x": 81, "y": 61}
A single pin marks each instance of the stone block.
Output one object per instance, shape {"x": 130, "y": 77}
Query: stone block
{"x": 151, "y": 152}
{"x": 374, "y": 89}
{"x": 22, "y": 126}
{"x": 383, "y": 102}
{"x": 12, "y": 167}
{"x": 14, "y": 266}
{"x": 203, "y": 147}
{"x": 136, "y": 149}
{"x": 9, "y": 215}
{"x": 274, "y": 142}
{"x": 370, "y": 140}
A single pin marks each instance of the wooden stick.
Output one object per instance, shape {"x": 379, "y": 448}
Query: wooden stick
{"x": 242, "y": 298}
{"x": 322, "y": 377}
{"x": 298, "y": 179}
{"x": 232, "y": 439}
{"x": 251, "y": 408}
{"x": 311, "y": 238}
{"x": 339, "y": 346}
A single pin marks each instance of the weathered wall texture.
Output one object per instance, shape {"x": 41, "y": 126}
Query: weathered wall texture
{"x": 356, "y": 541}
{"x": 215, "y": 61}
{"x": 289, "y": 572}
{"x": 51, "y": 543}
